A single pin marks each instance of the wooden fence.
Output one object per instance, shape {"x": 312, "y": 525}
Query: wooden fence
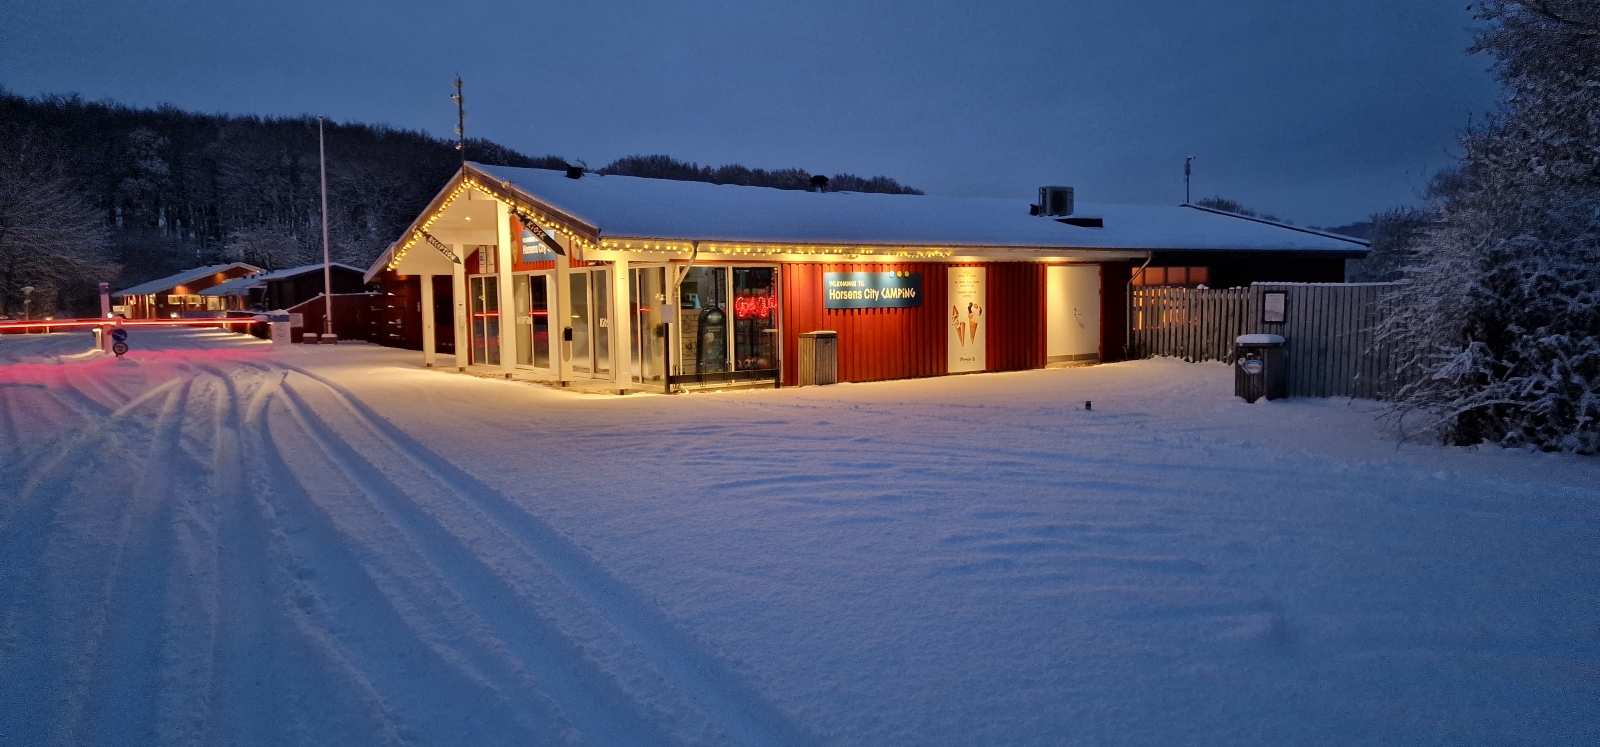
{"x": 1187, "y": 323}
{"x": 1328, "y": 328}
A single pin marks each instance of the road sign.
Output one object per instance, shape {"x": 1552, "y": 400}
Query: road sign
{"x": 119, "y": 348}
{"x": 119, "y": 335}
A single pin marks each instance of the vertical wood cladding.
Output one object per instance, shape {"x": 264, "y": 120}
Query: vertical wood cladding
{"x": 1114, "y": 277}
{"x": 874, "y": 344}
{"x": 1016, "y": 335}
{"x": 400, "y": 325}
{"x": 877, "y": 344}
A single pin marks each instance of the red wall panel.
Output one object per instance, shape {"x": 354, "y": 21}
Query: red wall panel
{"x": 874, "y": 344}
{"x": 1016, "y": 333}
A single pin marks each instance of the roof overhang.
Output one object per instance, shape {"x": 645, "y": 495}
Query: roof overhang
{"x": 465, "y": 212}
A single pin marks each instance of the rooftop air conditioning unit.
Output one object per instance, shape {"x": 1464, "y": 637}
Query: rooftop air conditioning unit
{"x": 1055, "y": 201}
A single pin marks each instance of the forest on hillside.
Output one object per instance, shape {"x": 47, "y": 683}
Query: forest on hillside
{"x": 97, "y": 191}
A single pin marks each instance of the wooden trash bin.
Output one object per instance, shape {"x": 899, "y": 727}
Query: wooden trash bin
{"x": 819, "y": 358}
{"x": 1261, "y": 368}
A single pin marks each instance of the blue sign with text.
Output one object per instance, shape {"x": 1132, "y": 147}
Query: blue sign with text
{"x": 534, "y": 250}
{"x": 871, "y": 290}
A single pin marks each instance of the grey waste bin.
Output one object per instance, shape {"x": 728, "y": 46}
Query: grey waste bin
{"x": 1261, "y": 368}
{"x": 819, "y": 357}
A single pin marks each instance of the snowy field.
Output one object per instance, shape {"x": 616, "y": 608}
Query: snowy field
{"x": 216, "y": 542}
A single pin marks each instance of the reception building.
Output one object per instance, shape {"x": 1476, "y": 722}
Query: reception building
{"x": 627, "y": 283}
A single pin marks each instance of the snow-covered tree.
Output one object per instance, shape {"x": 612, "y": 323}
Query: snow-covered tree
{"x": 1499, "y": 316}
{"x": 51, "y": 239}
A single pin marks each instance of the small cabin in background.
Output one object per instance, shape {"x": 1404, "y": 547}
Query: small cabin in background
{"x": 181, "y": 294}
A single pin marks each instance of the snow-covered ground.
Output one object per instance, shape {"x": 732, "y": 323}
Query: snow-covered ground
{"x": 216, "y": 542}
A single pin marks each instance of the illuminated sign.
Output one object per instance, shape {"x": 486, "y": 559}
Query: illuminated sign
{"x": 753, "y": 307}
{"x": 871, "y": 290}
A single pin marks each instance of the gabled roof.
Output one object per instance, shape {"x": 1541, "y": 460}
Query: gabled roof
{"x": 182, "y": 278}
{"x": 242, "y": 286}
{"x": 633, "y": 207}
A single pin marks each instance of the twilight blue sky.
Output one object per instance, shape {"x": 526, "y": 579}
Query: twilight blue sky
{"x": 1319, "y": 112}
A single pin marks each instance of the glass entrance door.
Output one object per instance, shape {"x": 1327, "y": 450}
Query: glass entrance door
{"x": 647, "y": 294}
{"x": 578, "y": 285}
{"x": 533, "y": 320}
{"x": 591, "y": 322}
{"x": 485, "y": 296}
{"x": 600, "y": 303}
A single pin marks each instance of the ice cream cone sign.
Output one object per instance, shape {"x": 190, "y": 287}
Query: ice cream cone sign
{"x": 961, "y": 329}
{"x": 974, "y": 311}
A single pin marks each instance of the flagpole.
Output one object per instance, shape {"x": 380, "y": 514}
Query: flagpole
{"x": 327, "y": 273}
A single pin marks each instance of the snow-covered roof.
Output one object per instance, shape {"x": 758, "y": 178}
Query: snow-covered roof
{"x": 242, "y": 286}
{"x": 182, "y": 278}
{"x": 633, "y": 207}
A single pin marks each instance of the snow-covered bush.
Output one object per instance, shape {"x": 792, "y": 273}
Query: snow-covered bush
{"x": 1499, "y": 316}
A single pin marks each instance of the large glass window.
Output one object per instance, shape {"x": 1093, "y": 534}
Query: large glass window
{"x": 702, "y": 301}
{"x": 755, "y": 318}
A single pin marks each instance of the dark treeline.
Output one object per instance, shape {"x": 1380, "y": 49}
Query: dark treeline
{"x": 175, "y": 189}
{"x": 666, "y": 167}
{"x": 98, "y": 191}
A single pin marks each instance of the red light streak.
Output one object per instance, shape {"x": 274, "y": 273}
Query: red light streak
{"x": 8, "y": 325}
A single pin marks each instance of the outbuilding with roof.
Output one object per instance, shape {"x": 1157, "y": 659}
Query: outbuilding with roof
{"x": 282, "y": 289}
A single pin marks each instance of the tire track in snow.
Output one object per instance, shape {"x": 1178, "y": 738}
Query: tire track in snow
{"x": 58, "y": 533}
{"x": 599, "y": 712}
{"x": 280, "y": 686}
{"x": 699, "y": 674}
{"x": 112, "y": 694}
{"x": 10, "y": 433}
{"x": 374, "y": 583}
{"x": 58, "y": 451}
{"x": 189, "y": 626}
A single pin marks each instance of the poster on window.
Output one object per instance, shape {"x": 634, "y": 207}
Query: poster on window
{"x": 968, "y": 318}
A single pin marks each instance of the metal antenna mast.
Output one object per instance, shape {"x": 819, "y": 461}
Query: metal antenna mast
{"x": 461, "y": 122}
{"x": 1186, "y": 171}
{"x": 327, "y": 274}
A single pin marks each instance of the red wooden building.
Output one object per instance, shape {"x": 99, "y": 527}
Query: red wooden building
{"x": 181, "y": 294}
{"x": 639, "y": 283}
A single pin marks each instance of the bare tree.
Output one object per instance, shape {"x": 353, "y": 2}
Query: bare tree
{"x": 51, "y": 239}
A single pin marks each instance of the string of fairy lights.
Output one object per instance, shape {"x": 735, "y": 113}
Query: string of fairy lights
{"x": 549, "y": 223}
{"x": 525, "y": 212}
{"x": 766, "y": 250}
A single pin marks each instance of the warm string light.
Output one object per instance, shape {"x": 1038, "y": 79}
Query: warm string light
{"x": 760, "y": 250}
{"x": 774, "y": 249}
{"x": 543, "y": 221}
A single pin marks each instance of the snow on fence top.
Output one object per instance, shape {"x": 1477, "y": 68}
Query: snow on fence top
{"x": 634, "y": 207}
